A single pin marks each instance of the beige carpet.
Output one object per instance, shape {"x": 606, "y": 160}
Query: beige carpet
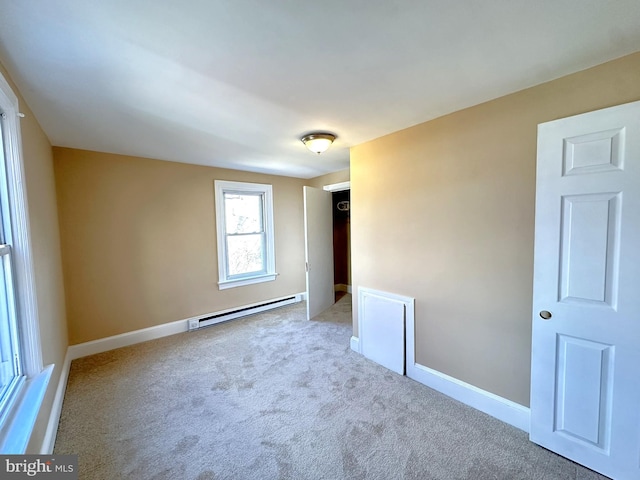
{"x": 274, "y": 396}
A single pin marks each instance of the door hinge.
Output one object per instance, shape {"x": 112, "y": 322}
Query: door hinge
{"x": 306, "y": 266}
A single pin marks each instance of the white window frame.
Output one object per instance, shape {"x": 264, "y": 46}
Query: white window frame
{"x": 19, "y": 416}
{"x": 224, "y": 279}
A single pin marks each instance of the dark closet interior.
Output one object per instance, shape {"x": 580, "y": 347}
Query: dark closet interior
{"x": 341, "y": 239}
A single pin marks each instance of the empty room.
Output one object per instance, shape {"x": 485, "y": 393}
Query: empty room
{"x": 320, "y": 240}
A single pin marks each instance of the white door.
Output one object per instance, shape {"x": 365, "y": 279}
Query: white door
{"x": 585, "y": 373}
{"x": 318, "y": 228}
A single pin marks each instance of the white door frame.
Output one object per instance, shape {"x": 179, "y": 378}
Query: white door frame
{"x": 337, "y": 187}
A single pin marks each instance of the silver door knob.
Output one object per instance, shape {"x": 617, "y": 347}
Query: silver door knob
{"x": 545, "y": 315}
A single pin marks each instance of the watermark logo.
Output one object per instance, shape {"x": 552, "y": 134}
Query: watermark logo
{"x": 50, "y": 467}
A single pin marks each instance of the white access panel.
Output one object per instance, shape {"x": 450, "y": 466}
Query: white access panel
{"x": 381, "y": 326}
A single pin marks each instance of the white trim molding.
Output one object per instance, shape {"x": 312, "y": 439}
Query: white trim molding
{"x": 49, "y": 439}
{"x": 223, "y": 285}
{"x": 18, "y": 426}
{"x": 337, "y": 187}
{"x": 498, "y": 407}
{"x": 125, "y": 339}
{"x": 355, "y": 344}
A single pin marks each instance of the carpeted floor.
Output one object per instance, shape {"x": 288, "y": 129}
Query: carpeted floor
{"x": 274, "y": 396}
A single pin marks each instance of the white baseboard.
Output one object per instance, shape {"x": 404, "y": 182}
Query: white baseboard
{"x": 505, "y": 410}
{"x": 56, "y": 409}
{"x": 151, "y": 333}
{"x": 355, "y": 344}
{"x": 126, "y": 339}
{"x": 498, "y": 407}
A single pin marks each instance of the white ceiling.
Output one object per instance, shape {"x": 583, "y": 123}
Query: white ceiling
{"x": 236, "y": 83}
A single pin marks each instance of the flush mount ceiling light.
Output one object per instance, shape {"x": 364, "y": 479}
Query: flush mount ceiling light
{"x": 318, "y": 142}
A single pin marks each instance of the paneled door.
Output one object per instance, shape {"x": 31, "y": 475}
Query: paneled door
{"x": 585, "y": 374}
{"x": 318, "y": 229}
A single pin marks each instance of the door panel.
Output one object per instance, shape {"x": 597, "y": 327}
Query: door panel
{"x": 585, "y": 398}
{"x": 590, "y": 248}
{"x": 318, "y": 225}
{"x": 593, "y": 152}
{"x": 584, "y": 390}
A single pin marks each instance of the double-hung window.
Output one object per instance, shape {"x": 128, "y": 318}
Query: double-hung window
{"x": 244, "y": 221}
{"x": 10, "y": 362}
{"x": 23, "y": 379}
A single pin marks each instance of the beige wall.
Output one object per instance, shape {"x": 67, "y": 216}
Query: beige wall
{"x": 139, "y": 242}
{"x": 328, "y": 179}
{"x": 45, "y": 240}
{"x": 444, "y": 212}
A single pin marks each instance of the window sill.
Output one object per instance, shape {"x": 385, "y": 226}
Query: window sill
{"x": 16, "y": 432}
{"x": 269, "y": 277}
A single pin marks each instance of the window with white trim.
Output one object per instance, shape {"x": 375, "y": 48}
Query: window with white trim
{"x": 10, "y": 361}
{"x": 23, "y": 378}
{"x": 244, "y": 222}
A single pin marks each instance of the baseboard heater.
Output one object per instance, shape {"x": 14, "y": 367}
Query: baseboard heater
{"x": 226, "y": 315}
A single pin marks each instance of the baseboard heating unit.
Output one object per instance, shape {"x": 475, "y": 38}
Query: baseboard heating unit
{"x": 231, "y": 314}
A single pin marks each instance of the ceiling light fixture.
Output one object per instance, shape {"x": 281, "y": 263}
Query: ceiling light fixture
{"x": 318, "y": 142}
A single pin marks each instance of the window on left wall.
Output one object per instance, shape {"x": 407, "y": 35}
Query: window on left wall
{"x": 244, "y": 222}
{"x": 10, "y": 357}
{"x": 23, "y": 379}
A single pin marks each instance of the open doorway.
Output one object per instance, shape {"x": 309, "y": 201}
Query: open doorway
{"x": 341, "y": 212}
{"x": 320, "y": 261}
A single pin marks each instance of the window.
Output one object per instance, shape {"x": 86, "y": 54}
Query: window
{"x": 244, "y": 221}
{"x": 23, "y": 381}
{"x": 10, "y": 362}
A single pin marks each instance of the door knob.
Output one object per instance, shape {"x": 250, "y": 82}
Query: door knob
{"x": 545, "y": 315}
